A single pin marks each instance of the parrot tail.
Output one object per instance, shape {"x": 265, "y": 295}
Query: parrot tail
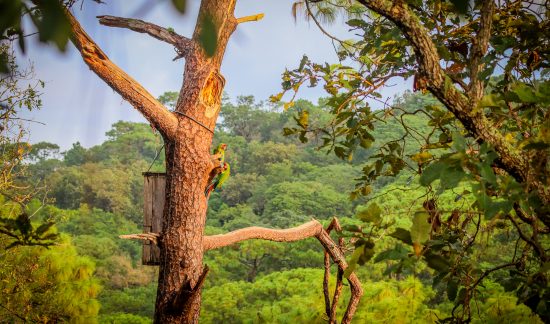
{"x": 209, "y": 189}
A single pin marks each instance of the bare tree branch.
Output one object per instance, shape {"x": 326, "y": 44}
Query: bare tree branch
{"x": 339, "y": 258}
{"x": 309, "y": 229}
{"x": 121, "y": 82}
{"x": 326, "y": 278}
{"x": 182, "y": 44}
{"x": 331, "y": 309}
{"x": 479, "y": 49}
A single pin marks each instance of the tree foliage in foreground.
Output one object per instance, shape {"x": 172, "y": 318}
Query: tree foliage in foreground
{"x": 47, "y": 286}
{"x": 486, "y": 64}
{"x": 19, "y": 92}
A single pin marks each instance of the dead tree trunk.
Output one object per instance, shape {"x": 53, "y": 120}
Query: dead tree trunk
{"x": 187, "y": 134}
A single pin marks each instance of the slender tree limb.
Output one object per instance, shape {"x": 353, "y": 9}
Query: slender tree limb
{"x": 337, "y": 294}
{"x": 539, "y": 250}
{"x": 326, "y": 278}
{"x": 182, "y": 44}
{"x": 250, "y": 18}
{"x": 522, "y": 215}
{"x": 355, "y": 285}
{"x": 121, "y": 82}
{"x": 479, "y": 49}
{"x": 331, "y": 313}
{"x": 309, "y": 229}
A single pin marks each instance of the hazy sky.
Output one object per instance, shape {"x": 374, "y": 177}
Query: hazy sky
{"x": 78, "y": 106}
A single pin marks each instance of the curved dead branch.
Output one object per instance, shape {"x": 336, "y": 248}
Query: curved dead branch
{"x": 309, "y": 229}
{"x": 121, "y": 82}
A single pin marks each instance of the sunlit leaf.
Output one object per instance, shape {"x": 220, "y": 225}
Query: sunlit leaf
{"x": 371, "y": 214}
{"x": 420, "y": 229}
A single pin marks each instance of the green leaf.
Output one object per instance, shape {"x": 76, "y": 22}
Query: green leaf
{"x": 437, "y": 262}
{"x": 368, "y": 253}
{"x": 450, "y": 177}
{"x": 490, "y": 100}
{"x": 179, "y": 5}
{"x": 340, "y": 152}
{"x": 420, "y": 229}
{"x": 4, "y": 62}
{"x": 23, "y": 224}
{"x": 371, "y": 214}
{"x": 525, "y": 93}
{"x": 403, "y": 235}
{"x": 303, "y": 62}
{"x": 52, "y": 23}
{"x": 452, "y": 289}
{"x": 487, "y": 174}
{"x": 208, "y": 36}
{"x": 537, "y": 145}
{"x": 397, "y": 253}
{"x": 351, "y": 228}
{"x": 44, "y": 228}
{"x": 432, "y": 173}
{"x": 461, "y": 296}
{"x": 459, "y": 142}
{"x": 353, "y": 261}
{"x": 461, "y": 6}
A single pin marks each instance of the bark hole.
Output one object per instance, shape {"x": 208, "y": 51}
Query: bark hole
{"x": 211, "y": 93}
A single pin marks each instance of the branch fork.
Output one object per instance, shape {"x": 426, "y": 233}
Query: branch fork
{"x": 312, "y": 228}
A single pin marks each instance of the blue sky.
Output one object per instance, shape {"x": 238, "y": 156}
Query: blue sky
{"x": 78, "y": 106}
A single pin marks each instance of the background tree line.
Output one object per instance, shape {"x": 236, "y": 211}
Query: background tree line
{"x": 97, "y": 195}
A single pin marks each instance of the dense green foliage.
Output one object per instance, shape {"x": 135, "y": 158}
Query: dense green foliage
{"x": 484, "y": 139}
{"x": 97, "y": 195}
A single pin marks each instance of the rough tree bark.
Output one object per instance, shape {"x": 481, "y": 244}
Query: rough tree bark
{"x": 187, "y": 134}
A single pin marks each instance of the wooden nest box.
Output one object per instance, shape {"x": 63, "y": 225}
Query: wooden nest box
{"x": 154, "y": 187}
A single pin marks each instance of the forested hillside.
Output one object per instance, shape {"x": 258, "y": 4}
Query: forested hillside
{"x": 95, "y": 194}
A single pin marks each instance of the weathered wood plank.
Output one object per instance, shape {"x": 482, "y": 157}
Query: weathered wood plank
{"x": 154, "y": 185}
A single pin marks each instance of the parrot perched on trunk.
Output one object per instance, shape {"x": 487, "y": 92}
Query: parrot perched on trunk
{"x": 220, "y": 151}
{"x": 218, "y": 181}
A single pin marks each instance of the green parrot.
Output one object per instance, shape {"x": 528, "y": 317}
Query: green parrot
{"x": 218, "y": 181}
{"x": 221, "y": 151}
